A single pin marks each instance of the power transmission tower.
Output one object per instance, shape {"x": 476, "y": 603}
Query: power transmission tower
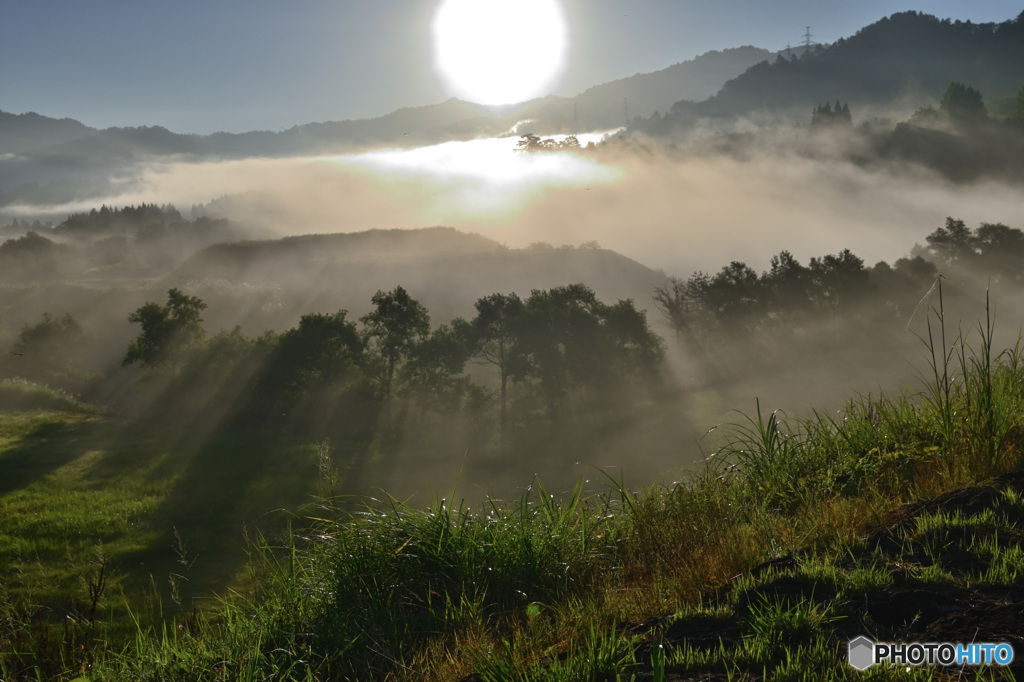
{"x": 807, "y": 40}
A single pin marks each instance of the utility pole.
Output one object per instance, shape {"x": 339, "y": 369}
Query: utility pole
{"x": 625, "y": 110}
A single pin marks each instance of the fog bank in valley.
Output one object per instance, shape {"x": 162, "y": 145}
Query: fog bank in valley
{"x": 677, "y": 211}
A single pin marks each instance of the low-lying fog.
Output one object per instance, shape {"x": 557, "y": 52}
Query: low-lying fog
{"x": 678, "y": 211}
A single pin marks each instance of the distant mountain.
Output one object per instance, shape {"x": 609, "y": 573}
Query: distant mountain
{"x": 906, "y": 55}
{"x": 607, "y": 106}
{"x": 644, "y": 94}
{"x": 47, "y": 161}
{"x": 20, "y": 133}
{"x": 53, "y": 141}
{"x": 412, "y": 126}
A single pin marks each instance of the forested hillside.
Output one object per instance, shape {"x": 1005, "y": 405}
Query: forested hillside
{"x": 905, "y": 57}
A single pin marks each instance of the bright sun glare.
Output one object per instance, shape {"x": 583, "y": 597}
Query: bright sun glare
{"x": 499, "y": 51}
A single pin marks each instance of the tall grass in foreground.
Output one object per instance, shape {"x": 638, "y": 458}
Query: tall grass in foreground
{"x": 555, "y": 587}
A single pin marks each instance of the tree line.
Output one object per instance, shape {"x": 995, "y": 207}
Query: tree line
{"x": 546, "y": 358}
{"x": 706, "y": 308}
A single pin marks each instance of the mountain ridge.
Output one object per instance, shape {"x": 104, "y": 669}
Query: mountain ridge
{"x": 907, "y": 54}
{"x": 50, "y": 138}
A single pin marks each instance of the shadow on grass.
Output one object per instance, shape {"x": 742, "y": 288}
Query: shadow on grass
{"x": 228, "y": 485}
{"x": 44, "y": 442}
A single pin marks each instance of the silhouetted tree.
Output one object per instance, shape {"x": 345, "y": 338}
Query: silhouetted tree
{"x": 675, "y": 305}
{"x": 397, "y": 324}
{"x": 634, "y": 351}
{"x": 840, "y": 280}
{"x": 825, "y": 116}
{"x": 570, "y": 142}
{"x": 963, "y": 103}
{"x": 492, "y": 334}
{"x": 570, "y": 341}
{"x": 734, "y": 294}
{"x": 1001, "y": 249}
{"x": 167, "y": 330}
{"x": 1017, "y": 112}
{"x": 788, "y": 284}
{"x": 434, "y": 370}
{"x": 555, "y": 335}
{"x": 953, "y": 243}
{"x": 532, "y": 143}
{"x": 32, "y": 256}
{"x": 686, "y": 306}
{"x": 51, "y": 350}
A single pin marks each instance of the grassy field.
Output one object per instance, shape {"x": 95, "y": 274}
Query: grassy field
{"x": 108, "y": 525}
{"x": 901, "y": 518}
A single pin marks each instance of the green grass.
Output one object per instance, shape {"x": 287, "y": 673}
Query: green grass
{"x": 22, "y": 394}
{"x": 798, "y": 535}
{"x": 106, "y": 523}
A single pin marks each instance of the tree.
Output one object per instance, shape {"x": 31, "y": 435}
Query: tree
{"x": 1017, "y": 113}
{"x": 963, "y": 103}
{"x": 839, "y": 280}
{"x": 555, "y": 339}
{"x": 825, "y": 116}
{"x": 953, "y": 243}
{"x": 435, "y": 366}
{"x": 167, "y": 330}
{"x": 686, "y": 307}
{"x": 492, "y": 334}
{"x": 51, "y": 350}
{"x": 570, "y": 142}
{"x": 633, "y": 349}
{"x": 33, "y": 255}
{"x": 394, "y": 328}
{"x": 674, "y": 303}
{"x": 1000, "y": 250}
{"x": 531, "y": 143}
{"x": 572, "y": 343}
{"x": 734, "y": 294}
{"x": 317, "y": 353}
{"x": 313, "y": 377}
{"x": 788, "y": 283}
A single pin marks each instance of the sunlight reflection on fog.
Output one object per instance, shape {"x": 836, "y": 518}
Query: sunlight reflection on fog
{"x": 484, "y": 177}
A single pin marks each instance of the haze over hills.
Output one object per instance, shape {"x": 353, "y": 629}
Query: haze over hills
{"x": 110, "y": 263}
{"x": 445, "y": 269}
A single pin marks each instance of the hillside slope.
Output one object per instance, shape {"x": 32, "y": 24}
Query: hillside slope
{"x": 908, "y": 56}
{"x": 445, "y": 269}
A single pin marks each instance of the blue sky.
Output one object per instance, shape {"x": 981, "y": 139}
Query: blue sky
{"x": 198, "y": 66}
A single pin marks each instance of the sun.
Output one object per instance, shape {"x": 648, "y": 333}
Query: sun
{"x": 499, "y": 51}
